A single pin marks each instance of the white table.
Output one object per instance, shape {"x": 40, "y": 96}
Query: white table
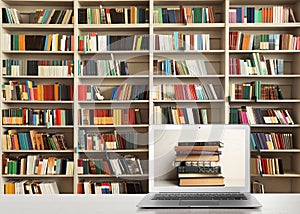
{"x": 98, "y": 204}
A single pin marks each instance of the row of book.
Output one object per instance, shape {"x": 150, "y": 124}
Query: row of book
{"x": 179, "y": 67}
{"x": 94, "y": 42}
{"x": 270, "y": 14}
{"x": 130, "y": 92}
{"x": 204, "y": 91}
{"x": 37, "y": 117}
{"x": 106, "y": 15}
{"x": 175, "y": 115}
{"x": 24, "y": 187}
{"x": 36, "y": 165}
{"x": 271, "y": 141}
{"x": 102, "y": 67}
{"x": 14, "y": 90}
{"x": 32, "y": 140}
{"x": 182, "y": 41}
{"x": 197, "y": 163}
{"x": 121, "y": 165}
{"x": 266, "y": 166}
{"x": 255, "y": 91}
{"x": 245, "y": 41}
{"x": 249, "y": 115}
{"x": 17, "y": 67}
{"x": 92, "y": 187}
{"x": 112, "y": 116}
{"x": 40, "y": 16}
{"x": 256, "y": 65}
{"x": 102, "y": 141}
{"x": 183, "y": 15}
{"x": 49, "y": 42}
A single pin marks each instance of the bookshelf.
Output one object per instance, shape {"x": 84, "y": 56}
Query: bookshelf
{"x": 158, "y": 68}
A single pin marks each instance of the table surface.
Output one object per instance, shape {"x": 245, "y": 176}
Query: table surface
{"x": 90, "y": 204}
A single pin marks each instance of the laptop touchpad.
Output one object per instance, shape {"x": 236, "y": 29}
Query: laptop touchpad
{"x": 198, "y": 203}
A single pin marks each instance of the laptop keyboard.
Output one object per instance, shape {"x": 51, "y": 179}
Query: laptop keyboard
{"x": 199, "y": 196}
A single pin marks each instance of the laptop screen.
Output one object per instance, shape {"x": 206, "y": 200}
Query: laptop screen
{"x": 199, "y": 158}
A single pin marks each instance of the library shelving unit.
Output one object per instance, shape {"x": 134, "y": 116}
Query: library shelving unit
{"x": 289, "y": 84}
{"x": 156, "y": 63}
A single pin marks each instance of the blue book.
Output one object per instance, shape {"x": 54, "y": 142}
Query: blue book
{"x": 176, "y": 41}
{"x": 239, "y": 15}
{"x": 199, "y": 42}
{"x": 46, "y": 42}
{"x": 171, "y": 16}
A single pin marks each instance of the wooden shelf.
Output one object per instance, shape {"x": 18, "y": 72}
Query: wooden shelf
{"x": 113, "y": 176}
{"x": 188, "y": 76}
{"x": 266, "y": 101}
{"x": 38, "y": 151}
{"x": 264, "y": 51}
{"x": 266, "y": 76}
{"x": 191, "y": 26}
{"x": 36, "y": 127}
{"x": 38, "y": 52}
{"x": 262, "y": 26}
{"x": 113, "y": 101}
{"x": 114, "y": 77}
{"x": 115, "y": 126}
{"x": 37, "y": 176}
{"x": 277, "y": 151}
{"x": 38, "y": 27}
{"x": 286, "y": 175}
{"x": 274, "y": 126}
{"x": 94, "y": 27}
{"x": 188, "y": 101}
{"x": 38, "y": 77}
{"x": 37, "y": 102}
{"x": 116, "y": 151}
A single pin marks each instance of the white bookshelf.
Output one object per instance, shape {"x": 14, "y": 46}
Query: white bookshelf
{"x": 141, "y": 71}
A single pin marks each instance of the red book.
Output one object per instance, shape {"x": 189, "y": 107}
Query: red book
{"x": 106, "y": 168}
{"x": 80, "y": 166}
{"x": 58, "y": 117}
{"x": 72, "y": 42}
{"x": 193, "y": 91}
{"x": 82, "y": 92}
{"x": 80, "y": 188}
{"x": 131, "y": 114}
{"x": 71, "y": 92}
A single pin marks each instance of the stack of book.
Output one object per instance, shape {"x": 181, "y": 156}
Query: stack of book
{"x": 255, "y": 90}
{"x": 267, "y": 166}
{"x": 250, "y": 115}
{"x": 29, "y": 91}
{"x": 112, "y": 116}
{"x": 37, "y": 165}
{"x": 23, "y": 67}
{"x": 184, "y": 15}
{"x": 101, "y": 15}
{"x": 31, "y": 187}
{"x": 32, "y": 140}
{"x": 40, "y": 16}
{"x": 246, "y": 41}
{"x": 92, "y": 187}
{"x": 256, "y": 65}
{"x": 271, "y": 14}
{"x": 49, "y": 42}
{"x": 175, "y": 115}
{"x": 179, "y": 67}
{"x": 120, "y": 165}
{"x": 95, "y": 42}
{"x": 271, "y": 141}
{"x": 102, "y": 67}
{"x": 204, "y": 91}
{"x": 102, "y": 141}
{"x": 180, "y": 41}
{"x": 198, "y": 163}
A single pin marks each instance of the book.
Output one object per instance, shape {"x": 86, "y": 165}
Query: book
{"x": 206, "y": 181}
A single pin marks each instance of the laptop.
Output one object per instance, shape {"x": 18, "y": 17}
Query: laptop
{"x": 219, "y": 178}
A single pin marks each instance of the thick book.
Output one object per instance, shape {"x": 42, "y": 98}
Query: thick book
{"x": 206, "y": 181}
{"x": 202, "y": 143}
{"x": 204, "y": 158}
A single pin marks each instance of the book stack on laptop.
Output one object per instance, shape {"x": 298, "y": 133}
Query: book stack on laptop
{"x": 197, "y": 163}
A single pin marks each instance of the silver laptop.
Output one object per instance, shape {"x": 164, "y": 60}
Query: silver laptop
{"x": 219, "y": 178}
